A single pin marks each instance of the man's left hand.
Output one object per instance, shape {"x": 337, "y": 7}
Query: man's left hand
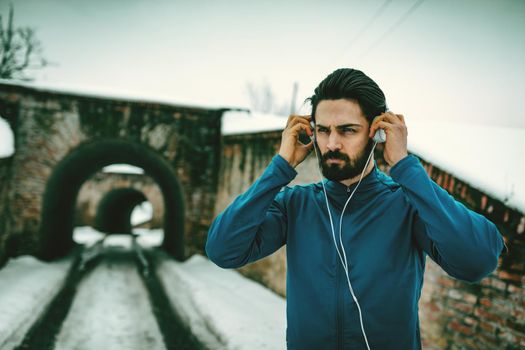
{"x": 396, "y": 136}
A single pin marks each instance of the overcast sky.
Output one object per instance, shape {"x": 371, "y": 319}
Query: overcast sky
{"x": 441, "y": 60}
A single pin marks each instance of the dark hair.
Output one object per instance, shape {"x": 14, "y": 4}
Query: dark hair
{"x": 351, "y": 84}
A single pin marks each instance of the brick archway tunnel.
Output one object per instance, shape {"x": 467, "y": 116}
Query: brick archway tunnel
{"x": 115, "y": 208}
{"x": 58, "y": 208}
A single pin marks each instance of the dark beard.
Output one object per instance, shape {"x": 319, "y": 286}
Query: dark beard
{"x": 351, "y": 168}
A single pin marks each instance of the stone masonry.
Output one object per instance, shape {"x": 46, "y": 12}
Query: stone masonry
{"x": 179, "y": 144}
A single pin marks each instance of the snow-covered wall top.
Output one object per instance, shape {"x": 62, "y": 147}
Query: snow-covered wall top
{"x": 112, "y": 94}
{"x": 489, "y": 158}
{"x": 236, "y": 122}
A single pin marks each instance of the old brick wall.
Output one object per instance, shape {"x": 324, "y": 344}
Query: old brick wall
{"x": 453, "y": 314}
{"x": 49, "y": 125}
{"x": 487, "y": 315}
{"x": 245, "y": 156}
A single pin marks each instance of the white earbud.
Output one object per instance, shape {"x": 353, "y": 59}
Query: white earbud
{"x": 380, "y": 136}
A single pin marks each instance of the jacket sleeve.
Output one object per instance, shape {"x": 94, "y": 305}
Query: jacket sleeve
{"x": 254, "y": 224}
{"x": 464, "y": 243}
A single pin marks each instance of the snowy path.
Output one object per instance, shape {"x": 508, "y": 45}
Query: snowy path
{"x": 222, "y": 308}
{"x": 27, "y": 285}
{"x": 111, "y": 310}
{"x": 108, "y": 305}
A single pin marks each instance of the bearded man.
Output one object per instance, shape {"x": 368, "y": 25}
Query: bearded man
{"x": 356, "y": 242}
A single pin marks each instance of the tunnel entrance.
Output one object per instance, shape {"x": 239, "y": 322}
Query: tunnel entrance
{"x": 115, "y": 208}
{"x": 58, "y": 208}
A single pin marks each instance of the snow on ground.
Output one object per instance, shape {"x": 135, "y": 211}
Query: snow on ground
{"x": 149, "y": 237}
{"x": 27, "y": 286}
{"x": 224, "y": 309}
{"x": 111, "y": 311}
{"x": 88, "y": 236}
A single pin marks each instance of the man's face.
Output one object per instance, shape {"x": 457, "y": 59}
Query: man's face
{"x": 342, "y": 137}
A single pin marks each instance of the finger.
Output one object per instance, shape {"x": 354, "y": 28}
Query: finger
{"x": 294, "y": 119}
{"x": 392, "y": 118}
{"x": 385, "y": 126}
{"x": 295, "y": 129}
{"x": 396, "y": 118}
{"x": 306, "y": 118}
{"x": 381, "y": 125}
{"x": 375, "y": 121}
{"x": 291, "y": 119}
{"x": 300, "y": 120}
{"x": 388, "y": 117}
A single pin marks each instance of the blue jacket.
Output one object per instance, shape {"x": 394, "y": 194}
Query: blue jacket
{"x": 389, "y": 226}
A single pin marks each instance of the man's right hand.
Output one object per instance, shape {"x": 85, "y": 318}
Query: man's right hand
{"x": 292, "y": 150}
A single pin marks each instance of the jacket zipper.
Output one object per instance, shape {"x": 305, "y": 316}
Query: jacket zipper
{"x": 339, "y": 311}
{"x": 340, "y": 301}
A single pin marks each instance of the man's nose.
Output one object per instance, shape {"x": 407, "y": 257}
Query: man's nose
{"x": 334, "y": 143}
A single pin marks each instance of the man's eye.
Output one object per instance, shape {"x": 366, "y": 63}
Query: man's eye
{"x": 322, "y": 131}
{"x": 349, "y": 130}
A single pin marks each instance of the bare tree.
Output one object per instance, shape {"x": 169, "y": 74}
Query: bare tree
{"x": 20, "y": 50}
{"x": 263, "y": 99}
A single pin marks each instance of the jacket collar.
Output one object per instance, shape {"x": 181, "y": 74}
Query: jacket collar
{"x": 367, "y": 189}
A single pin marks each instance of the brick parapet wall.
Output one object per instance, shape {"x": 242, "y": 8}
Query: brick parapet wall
{"x": 453, "y": 314}
{"x": 48, "y": 125}
{"x": 491, "y": 314}
{"x": 44, "y": 132}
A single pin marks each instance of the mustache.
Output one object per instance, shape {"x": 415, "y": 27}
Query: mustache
{"x": 335, "y": 155}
